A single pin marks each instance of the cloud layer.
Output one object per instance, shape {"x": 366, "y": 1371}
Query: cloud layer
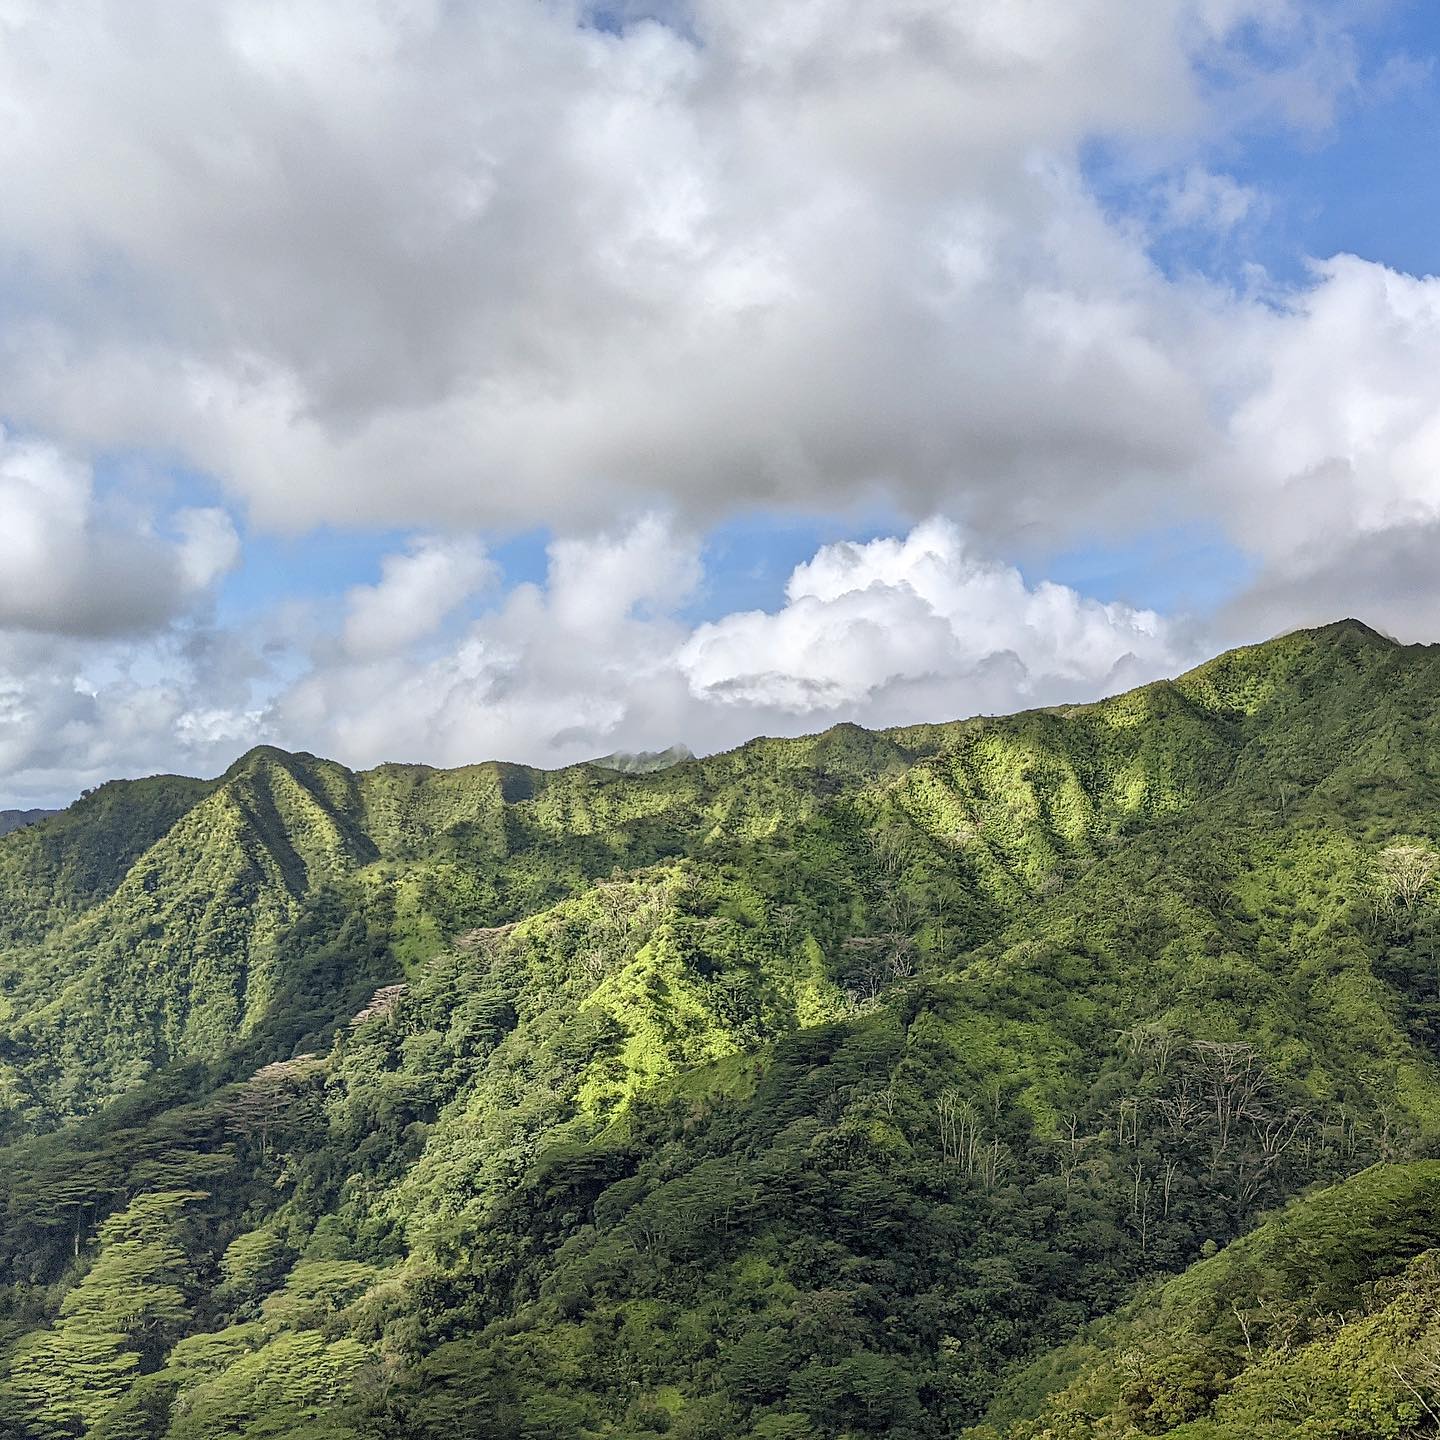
{"x": 593, "y": 660}
{"x": 462, "y": 264}
{"x": 451, "y": 270}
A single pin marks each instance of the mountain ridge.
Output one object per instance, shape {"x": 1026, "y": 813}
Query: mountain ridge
{"x": 17, "y": 819}
{"x": 811, "y": 1089}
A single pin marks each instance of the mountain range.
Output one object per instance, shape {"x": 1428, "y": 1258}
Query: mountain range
{"x": 1065, "y": 1074}
{"x": 14, "y": 819}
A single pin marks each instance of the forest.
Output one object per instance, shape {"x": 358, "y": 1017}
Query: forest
{"x": 1057, "y": 1076}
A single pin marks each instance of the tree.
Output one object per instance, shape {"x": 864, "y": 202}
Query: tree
{"x": 273, "y": 1094}
{"x": 1403, "y": 873}
{"x": 125, "y": 1313}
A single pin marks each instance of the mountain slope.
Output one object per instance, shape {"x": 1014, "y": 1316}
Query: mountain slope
{"x": 806, "y": 1090}
{"x": 1322, "y": 1322}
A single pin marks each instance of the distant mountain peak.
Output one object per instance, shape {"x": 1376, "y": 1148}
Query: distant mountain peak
{"x": 643, "y": 762}
{"x": 18, "y": 819}
{"x": 1352, "y": 626}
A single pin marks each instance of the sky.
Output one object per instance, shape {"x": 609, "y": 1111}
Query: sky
{"x": 442, "y": 381}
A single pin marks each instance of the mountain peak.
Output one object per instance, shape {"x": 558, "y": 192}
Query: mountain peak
{"x": 1352, "y": 626}
{"x": 643, "y": 762}
{"x": 267, "y": 757}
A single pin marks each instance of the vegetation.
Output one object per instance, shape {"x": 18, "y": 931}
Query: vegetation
{"x": 1065, "y": 1074}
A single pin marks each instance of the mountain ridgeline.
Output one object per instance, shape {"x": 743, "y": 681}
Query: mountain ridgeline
{"x": 16, "y": 819}
{"x": 1068, "y": 1074}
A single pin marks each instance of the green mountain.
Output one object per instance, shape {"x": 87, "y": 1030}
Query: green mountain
{"x": 885, "y": 1083}
{"x": 644, "y": 762}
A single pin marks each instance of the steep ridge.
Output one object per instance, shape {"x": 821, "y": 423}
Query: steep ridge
{"x": 804, "y": 1090}
{"x": 201, "y": 880}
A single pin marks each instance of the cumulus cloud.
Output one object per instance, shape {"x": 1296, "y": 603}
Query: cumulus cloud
{"x": 68, "y": 567}
{"x": 921, "y": 625}
{"x": 471, "y": 264}
{"x": 597, "y": 658}
{"x": 416, "y": 591}
{"x": 549, "y": 676}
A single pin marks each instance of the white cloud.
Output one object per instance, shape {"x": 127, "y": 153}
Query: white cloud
{"x": 417, "y": 590}
{"x": 886, "y": 632}
{"x": 69, "y": 566}
{"x": 76, "y": 712}
{"x": 209, "y": 546}
{"x": 597, "y": 658}
{"x": 1343, "y": 429}
{"x": 1203, "y": 199}
{"x": 905, "y": 627}
{"x": 461, "y": 265}
{"x": 547, "y": 677}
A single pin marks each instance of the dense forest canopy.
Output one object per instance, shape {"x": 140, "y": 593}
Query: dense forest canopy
{"x": 1066, "y": 1074}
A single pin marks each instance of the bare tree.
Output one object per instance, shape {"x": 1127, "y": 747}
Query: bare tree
{"x": 384, "y": 1002}
{"x": 1072, "y": 1148}
{"x": 1140, "y": 1191}
{"x": 1402, "y": 873}
{"x": 993, "y": 1160}
{"x": 1153, "y": 1040}
{"x": 1171, "y": 1170}
{"x": 270, "y": 1095}
{"x": 887, "y": 850}
{"x": 1127, "y": 1120}
{"x": 1235, "y": 1080}
{"x": 1183, "y": 1110}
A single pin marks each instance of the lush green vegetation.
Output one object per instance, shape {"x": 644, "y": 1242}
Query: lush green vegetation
{"x": 1324, "y": 1321}
{"x": 831, "y": 1087}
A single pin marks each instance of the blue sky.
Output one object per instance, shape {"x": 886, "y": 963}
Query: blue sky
{"x": 1365, "y": 184}
{"x": 709, "y": 373}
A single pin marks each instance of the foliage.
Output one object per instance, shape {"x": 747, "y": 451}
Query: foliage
{"x": 828, "y": 1087}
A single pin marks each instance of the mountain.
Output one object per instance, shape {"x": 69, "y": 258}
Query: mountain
{"x": 1044, "y": 1075}
{"x": 14, "y": 819}
{"x": 1324, "y": 1321}
{"x": 645, "y": 762}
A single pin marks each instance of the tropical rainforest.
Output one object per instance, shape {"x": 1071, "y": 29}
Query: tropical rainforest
{"x": 1063, "y": 1075}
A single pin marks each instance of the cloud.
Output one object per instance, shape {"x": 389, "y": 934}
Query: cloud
{"x": 921, "y": 625}
{"x": 76, "y": 712}
{"x": 1340, "y": 432}
{"x": 460, "y": 265}
{"x": 69, "y": 567}
{"x": 1202, "y": 199}
{"x": 597, "y": 658}
{"x": 417, "y": 590}
{"x": 452, "y": 269}
{"x": 547, "y": 677}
